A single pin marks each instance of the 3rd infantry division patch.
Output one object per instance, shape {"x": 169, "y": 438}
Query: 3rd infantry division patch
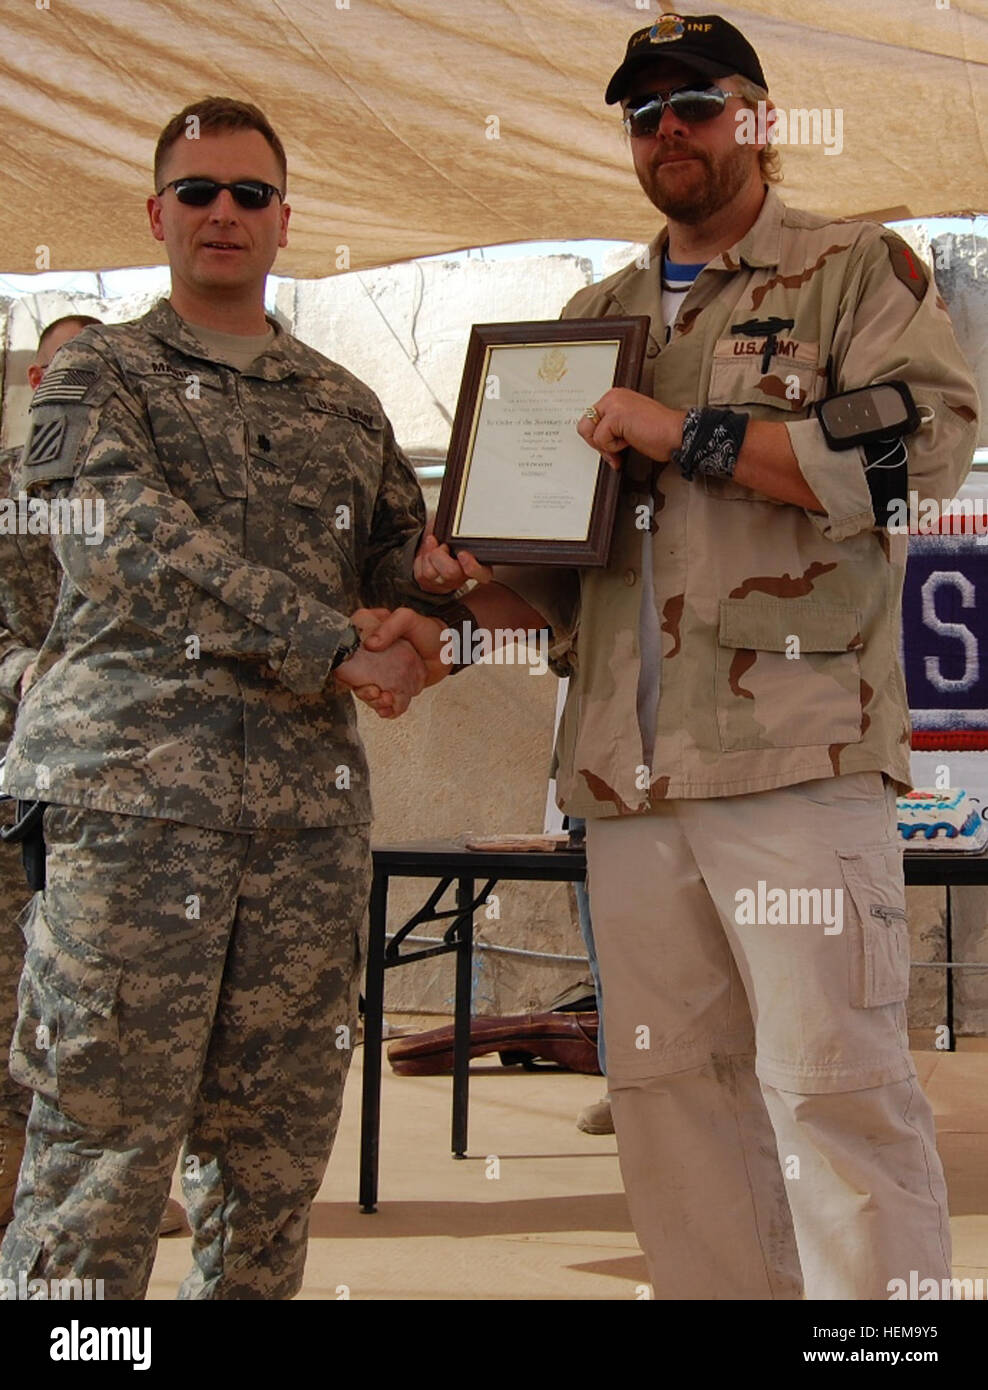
{"x": 46, "y": 441}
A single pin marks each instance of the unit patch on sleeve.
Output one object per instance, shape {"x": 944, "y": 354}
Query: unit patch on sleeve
{"x": 46, "y": 441}
{"x": 57, "y": 430}
{"x": 906, "y": 265}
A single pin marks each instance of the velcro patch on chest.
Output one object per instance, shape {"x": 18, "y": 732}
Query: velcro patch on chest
{"x": 739, "y": 347}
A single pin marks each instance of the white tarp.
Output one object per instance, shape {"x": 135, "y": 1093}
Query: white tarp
{"x": 389, "y": 111}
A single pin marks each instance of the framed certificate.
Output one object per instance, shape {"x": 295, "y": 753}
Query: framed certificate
{"x": 521, "y": 485}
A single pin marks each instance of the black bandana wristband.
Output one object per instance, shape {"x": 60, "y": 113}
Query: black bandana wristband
{"x": 683, "y": 455}
{"x": 712, "y": 441}
{"x": 459, "y": 621}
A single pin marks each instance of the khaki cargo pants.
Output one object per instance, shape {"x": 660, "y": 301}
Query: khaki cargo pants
{"x": 183, "y": 983}
{"x": 763, "y": 1094}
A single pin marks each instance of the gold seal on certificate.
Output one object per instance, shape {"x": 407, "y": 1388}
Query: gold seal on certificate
{"x": 521, "y": 485}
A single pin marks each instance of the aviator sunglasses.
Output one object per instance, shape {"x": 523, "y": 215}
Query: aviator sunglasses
{"x": 247, "y": 193}
{"x": 690, "y": 104}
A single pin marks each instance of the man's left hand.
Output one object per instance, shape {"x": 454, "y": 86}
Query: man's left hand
{"x": 627, "y": 419}
{"x": 438, "y": 571}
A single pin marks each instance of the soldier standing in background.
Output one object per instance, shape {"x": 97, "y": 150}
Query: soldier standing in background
{"x": 191, "y": 967}
{"x": 29, "y": 579}
{"x": 736, "y": 714}
{"x": 28, "y": 588}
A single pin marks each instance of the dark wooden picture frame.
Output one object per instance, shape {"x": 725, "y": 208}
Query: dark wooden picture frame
{"x": 632, "y": 335}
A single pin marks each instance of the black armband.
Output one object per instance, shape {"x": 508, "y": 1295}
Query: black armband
{"x": 875, "y": 419}
{"x": 887, "y": 475}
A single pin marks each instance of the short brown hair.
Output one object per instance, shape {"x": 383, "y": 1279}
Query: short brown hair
{"x": 218, "y": 113}
{"x": 83, "y": 320}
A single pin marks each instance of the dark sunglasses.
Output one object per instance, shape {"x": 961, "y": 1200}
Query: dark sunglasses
{"x": 688, "y": 103}
{"x": 247, "y": 193}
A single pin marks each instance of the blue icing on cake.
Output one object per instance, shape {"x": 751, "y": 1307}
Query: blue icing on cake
{"x": 930, "y": 815}
{"x": 930, "y": 828}
{"x": 932, "y": 801}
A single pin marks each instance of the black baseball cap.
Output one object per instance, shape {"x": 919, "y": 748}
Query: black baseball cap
{"x": 702, "y": 41}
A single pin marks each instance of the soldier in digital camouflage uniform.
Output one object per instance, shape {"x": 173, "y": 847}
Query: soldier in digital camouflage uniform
{"x": 191, "y": 963}
{"x": 737, "y": 714}
{"x": 28, "y": 588}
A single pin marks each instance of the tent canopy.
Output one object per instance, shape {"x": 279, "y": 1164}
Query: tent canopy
{"x": 420, "y": 126}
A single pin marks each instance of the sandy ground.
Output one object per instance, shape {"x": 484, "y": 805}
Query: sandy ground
{"x": 536, "y": 1210}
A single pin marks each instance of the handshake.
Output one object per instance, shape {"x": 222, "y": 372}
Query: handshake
{"x": 400, "y": 651}
{"x": 398, "y": 657}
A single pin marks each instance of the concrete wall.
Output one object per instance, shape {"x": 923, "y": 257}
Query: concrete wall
{"x": 403, "y": 329}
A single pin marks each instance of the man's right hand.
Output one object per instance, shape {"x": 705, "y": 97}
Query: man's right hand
{"x": 379, "y": 628}
{"x": 398, "y": 672}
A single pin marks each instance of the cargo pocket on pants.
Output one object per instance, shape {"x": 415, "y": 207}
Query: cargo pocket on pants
{"x": 877, "y": 925}
{"x": 66, "y": 1045}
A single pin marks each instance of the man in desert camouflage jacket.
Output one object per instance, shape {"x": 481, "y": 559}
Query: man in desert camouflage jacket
{"x": 736, "y": 723}
{"x": 191, "y": 962}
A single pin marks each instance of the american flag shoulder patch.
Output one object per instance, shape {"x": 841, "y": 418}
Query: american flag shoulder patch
{"x": 63, "y": 384}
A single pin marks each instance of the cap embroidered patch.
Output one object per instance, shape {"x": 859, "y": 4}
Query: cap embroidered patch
{"x": 670, "y": 26}
{"x": 63, "y": 384}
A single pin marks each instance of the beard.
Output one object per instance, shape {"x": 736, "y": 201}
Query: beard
{"x": 709, "y": 185}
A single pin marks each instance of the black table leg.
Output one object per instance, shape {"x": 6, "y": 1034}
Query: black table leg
{"x": 464, "y": 1009}
{"x": 370, "y": 1119}
{"x": 948, "y": 942}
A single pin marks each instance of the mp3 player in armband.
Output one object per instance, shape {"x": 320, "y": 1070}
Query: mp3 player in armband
{"x": 875, "y": 419}
{"x": 867, "y": 415}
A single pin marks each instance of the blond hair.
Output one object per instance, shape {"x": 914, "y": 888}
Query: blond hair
{"x": 769, "y": 159}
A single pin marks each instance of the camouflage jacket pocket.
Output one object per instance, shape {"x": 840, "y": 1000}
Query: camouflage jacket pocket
{"x": 787, "y": 674}
{"x": 336, "y": 483}
{"x": 199, "y": 437}
{"x": 878, "y": 930}
{"x": 66, "y": 1044}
